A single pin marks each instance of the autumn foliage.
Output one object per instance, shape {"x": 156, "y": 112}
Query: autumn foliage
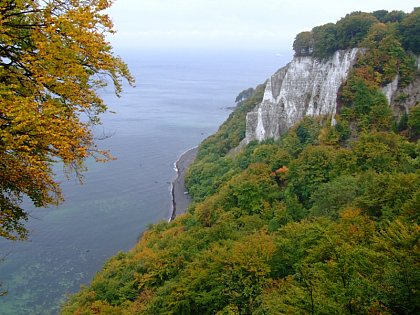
{"x": 323, "y": 220}
{"x": 54, "y": 57}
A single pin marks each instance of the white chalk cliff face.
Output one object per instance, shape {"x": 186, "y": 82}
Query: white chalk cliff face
{"x": 390, "y": 89}
{"x": 304, "y": 87}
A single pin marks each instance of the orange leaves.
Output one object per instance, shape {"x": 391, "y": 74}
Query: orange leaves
{"x": 281, "y": 173}
{"x": 53, "y": 57}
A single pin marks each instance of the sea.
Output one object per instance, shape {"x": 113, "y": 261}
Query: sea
{"x": 180, "y": 98}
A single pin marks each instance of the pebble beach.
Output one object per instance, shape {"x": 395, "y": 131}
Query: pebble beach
{"x": 180, "y": 197}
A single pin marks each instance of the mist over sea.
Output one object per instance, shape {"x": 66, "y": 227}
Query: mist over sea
{"x": 180, "y": 99}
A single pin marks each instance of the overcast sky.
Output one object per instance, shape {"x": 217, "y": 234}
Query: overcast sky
{"x": 229, "y": 24}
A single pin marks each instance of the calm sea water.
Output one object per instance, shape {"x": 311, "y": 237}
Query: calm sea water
{"x": 180, "y": 99}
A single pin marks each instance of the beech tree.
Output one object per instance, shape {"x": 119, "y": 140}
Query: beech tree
{"x": 410, "y": 30}
{"x": 303, "y": 44}
{"x": 53, "y": 57}
{"x": 353, "y": 28}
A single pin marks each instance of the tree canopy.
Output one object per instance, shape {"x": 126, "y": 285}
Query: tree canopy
{"x": 350, "y": 31}
{"x": 54, "y": 56}
{"x": 323, "y": 220}
{"x": 410, "y": 31}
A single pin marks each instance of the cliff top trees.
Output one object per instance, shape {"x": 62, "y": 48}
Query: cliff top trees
{"x": 353, "y": 28}
{"x": 53, "y": 57}
{"x": 303, "y": 44}
{"x": 350, "y": 31}
{"x": 322, "y": 41}
{"x": 410, "y": 31}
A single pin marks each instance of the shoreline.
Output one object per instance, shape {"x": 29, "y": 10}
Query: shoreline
{"x": 180, "y": 198}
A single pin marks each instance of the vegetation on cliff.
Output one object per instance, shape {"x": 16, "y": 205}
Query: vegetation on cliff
{"x": 349, "y": 32}
{"x": 323, "y": 220}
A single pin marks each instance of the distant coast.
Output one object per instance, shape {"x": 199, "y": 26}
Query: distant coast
{"x": 180, "y": 198}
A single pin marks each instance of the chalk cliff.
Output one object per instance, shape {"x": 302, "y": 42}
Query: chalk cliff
{"x": 306, "y": 86}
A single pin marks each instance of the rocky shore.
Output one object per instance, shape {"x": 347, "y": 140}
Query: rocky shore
{"x": 180, "y": 198}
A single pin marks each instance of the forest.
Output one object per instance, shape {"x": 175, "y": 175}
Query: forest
{"x": 323, "y": 220}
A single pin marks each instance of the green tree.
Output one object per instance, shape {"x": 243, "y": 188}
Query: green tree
{"x": 317, "y": 165}
{"x": 325, "y": 40}
{"x": 272, "y": 155}
{"x": 383, "y": 152}
{"x": 380, "y": 15}
{"x": 387, "y": 195}
{"x": 334, "y": 196}
{"x": 353, "y": 28}
{"x": 303, "y": 44}
{"x": 410, "y": 31}
{"x": 398, "y": 278}
{"x": 229, "y": 274}
{"x": 54, "y": 56}
{"x": 414, "y": 119}
{"x": 387, "y": 56}
{"x": 394, "y": 16}
{"x": 248, "y": 192}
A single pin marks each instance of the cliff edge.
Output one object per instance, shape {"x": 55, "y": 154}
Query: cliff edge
{"x": 304, "y": 87}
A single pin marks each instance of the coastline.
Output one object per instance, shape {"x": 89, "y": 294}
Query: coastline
{"x": 180, "y": 199}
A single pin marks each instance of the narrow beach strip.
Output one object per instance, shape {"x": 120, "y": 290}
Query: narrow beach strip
{"x": 180, "y": 198}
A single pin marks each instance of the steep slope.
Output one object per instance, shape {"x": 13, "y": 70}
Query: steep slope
{"x": 322, "y": 220}
{"x": 305, "y": 87}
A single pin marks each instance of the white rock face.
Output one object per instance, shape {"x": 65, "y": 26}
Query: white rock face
{"x": 304, "y": 87}
{"x": 390, "y": 89}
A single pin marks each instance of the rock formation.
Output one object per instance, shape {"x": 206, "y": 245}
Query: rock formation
{"x": 306, "y": 86}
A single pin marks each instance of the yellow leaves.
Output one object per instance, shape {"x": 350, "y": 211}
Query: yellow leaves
{"x": 253, "y": 253}
{"x": 350, "y": 213}
{"x": 56, "y": 56}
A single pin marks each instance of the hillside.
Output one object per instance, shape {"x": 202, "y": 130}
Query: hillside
{"x": 320, "y": 218}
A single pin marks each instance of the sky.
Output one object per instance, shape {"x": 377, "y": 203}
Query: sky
{"x": 229, "y": 24}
